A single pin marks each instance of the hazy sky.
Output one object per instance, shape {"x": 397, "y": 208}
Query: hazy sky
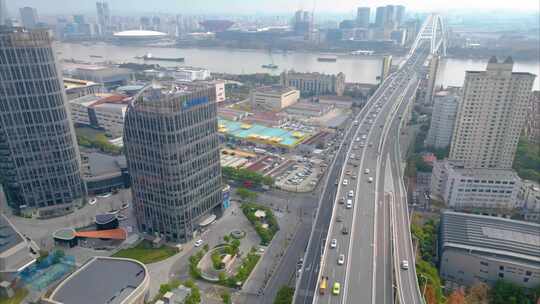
{"x": 253, "y": 6}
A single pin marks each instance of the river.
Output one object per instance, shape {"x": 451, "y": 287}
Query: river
{"x": 237, "y": 61}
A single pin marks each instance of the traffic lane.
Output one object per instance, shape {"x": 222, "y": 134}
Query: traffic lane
{"x": 360, "y": 270}
{"x": 404, "y": 252}
{"x": 313, "y": 254}
{"x": 332, "y": 270}
{"x": 332, "y": 256}
{"x": 349, "y": 133}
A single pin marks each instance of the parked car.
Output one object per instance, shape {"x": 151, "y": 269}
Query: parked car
{"x": 198, "y": 243}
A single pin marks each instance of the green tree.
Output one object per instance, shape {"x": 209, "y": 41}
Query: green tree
{"x": 507, "y": 293}
{"x": 227, "y": 238}
{"x": 226, "y": 297}
{"x": 284, "y": 295}
{"x": 527, "y": 160}
{"x": 246, "y": 194}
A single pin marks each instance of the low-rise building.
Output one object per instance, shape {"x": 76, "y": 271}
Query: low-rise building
{"x": 15, "y": 250}
{"x": 109, "y": 76}
{"x": 104, "y": 280}
{"x": 344, "y": 102}
{"x": 76, "y": 88}
{"x": 445, "y": 106}
{"x": 190, "y": 74}
{"x": 231, "y": 114}
{"x": 304, "y": 108}
{"x": 269, "y": 119}
{"x": 101, "y": 111}
{"x": 104, "y": 173}
{"x": 478, "y": 248}
{"x": 273, "y": 98}
{"x": 314, "y": 83}
{"x": 468, "y": 189}
{"x": 529, "y": 200}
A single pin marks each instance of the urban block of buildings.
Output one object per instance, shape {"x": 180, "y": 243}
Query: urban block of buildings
{"x": 478, "y": 248}
{"x": 273, "y": 98}
{"x": 39, "y": 156}
{"x": 463, "y": 188}
{"x": 172, "y": 149}
{"x": 314, "y": 84}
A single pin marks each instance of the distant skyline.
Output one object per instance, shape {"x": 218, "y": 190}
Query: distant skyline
{"x": 122, "y": 7}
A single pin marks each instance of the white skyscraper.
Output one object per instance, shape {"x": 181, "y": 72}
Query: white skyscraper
{"x": 491, "y": 116}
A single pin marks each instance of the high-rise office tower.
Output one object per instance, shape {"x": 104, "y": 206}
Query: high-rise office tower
{"x": 103, "y": 16}
{"x": 29, "y": 17}
{"x": 39, "y": 157}
{"x": 362, "y": 17}
{"x": 390, "y": 16}
{"x": 400, "y": 14}
{"x": 172, "y": 150}
{"x": 3, "y": 12}
{"x": 380, "y": 16}
{"x": 491, "y": 115}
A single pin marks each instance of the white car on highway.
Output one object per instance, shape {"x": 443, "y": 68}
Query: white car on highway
{"x": 370, "y": 179}
{"x": 349, "y": 204}
{"x": 345, "y": 182}
{"x": 333, "y": 243}
{"x": 351, "y": 193}
{"x": 341, "y": 259}
{"x": 366, "y": 171}
{"x": 404, "y": 264}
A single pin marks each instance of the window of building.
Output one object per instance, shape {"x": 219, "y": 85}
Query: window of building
{"x": 501, "y": 268}
{"x": 501, "y": 275}
{"x": 484, "y": 263}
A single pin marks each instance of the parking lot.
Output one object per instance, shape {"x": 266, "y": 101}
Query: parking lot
{"x": 301, "y": 176}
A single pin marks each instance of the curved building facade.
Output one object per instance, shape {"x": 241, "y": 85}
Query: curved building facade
{"x": 172, "y": 151}
{"x": 39, "y": 157}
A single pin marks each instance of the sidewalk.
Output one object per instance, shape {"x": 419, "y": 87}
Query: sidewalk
{"x": 273, "y": 254}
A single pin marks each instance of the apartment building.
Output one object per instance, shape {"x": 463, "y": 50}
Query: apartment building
{"x": 491, "y": 115}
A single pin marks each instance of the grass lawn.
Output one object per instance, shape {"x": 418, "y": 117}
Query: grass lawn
{"x": 20, "y": 294}
{"x": 88, "y": 132}
{"x": 145, "y": 253}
